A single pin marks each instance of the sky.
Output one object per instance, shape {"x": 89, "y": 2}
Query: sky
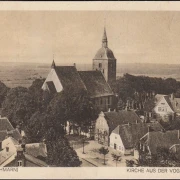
{"x": 75, "y": 36}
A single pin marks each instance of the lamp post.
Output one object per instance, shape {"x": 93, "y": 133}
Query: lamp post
{"x": 83, "y": 142}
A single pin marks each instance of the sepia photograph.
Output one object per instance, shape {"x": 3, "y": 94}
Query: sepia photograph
{"x": 90, "y": 89}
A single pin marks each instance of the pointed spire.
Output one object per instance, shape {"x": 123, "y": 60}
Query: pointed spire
{"x": 104, "y": 39}
{"x": 53, "y": 63}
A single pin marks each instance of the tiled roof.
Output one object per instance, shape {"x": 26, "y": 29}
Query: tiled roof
{"x": 35, "y": 149}
{"x": 161, "y": 139}
{"x": 32, "y": 152}
{"x": 14, "y": 133}
{"x": 159, "y": 96}
{"x": 121, "y": 117}
{"x": 149, "y": 105}
{"x": 169, "y": 102}
{"x": 51, "y": 87}
{"x": 69, "y": 77}
{"x": 176, "y": 105}
{"x": 35, "y": 160}
{"x": 95, "y": 83}
{"x": 5, "y": 124}
{"x": 131, "y": 134}
{"x": 176, "y": 150}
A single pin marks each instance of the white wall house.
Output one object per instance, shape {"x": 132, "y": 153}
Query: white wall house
{"x": 164, "y": 108}
{"x": 116, "y": 142}
{"x": 125, "y": 138}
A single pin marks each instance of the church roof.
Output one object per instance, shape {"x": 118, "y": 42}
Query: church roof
{"x": 69, "y": 77}
{"x": 104, "y": 53}
{"x": 51, "y": 86}
{"x": 95, "y": 83}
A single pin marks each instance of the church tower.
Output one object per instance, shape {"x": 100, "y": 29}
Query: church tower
{"x": 105, "y": 61}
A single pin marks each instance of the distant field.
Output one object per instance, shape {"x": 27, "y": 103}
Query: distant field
{"x": 23, "y": 74}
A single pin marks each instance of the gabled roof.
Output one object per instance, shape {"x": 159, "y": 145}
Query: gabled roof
{"x": 176, "y": 105}
{"x": 169, "y": 102}
{"x": 6, "y": 127}
{"x": 35, "y": 160}
{"x": 35, "y": 149}
{"x": 32, "y": 152}
{"x": 161, "y": 139}
{"x": 121, "y": 117}
{"x": 51, "y": 87}
{"x": 159, "y": 96}
{"x": 131, "y": 134}
{"x": 69, "y": 76}
{"x": 95, "y": 83}
{"x": 5, "y": 124}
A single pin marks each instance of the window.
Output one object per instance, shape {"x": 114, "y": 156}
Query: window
{"x": 19, "y": 163}
{"x": 109, "y": 100}
{"x": 7, "y": 149}
{"x": 100, "y": 65}
{"x": 103, "y": 71}
{"x": 161, "y": 109}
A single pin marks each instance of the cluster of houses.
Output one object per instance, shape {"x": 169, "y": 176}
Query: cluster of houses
{"x": 14, "y": 152}
{"x": 122, "y": 130}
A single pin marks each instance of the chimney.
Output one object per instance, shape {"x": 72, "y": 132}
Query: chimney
{"x": 18, "y": 129}
{"x": 75, "y": 65}
{"x": 23, "y": 146}
{"x": 20, "y": 158}
{"x": 109, "y": 110}
{"x": 172, "y": 96}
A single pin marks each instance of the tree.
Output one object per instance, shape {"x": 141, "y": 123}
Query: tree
{"x": 19, "y": 106}
{"x": 61, "y": 154}
{"x": 73, "y": 106}
{"x": 104, "y": 151}
{"x": 3, "y": 92}
{"x": 35, "y": 128}
{"x": 116, "y": 157}
{"x": 41, "y": 97}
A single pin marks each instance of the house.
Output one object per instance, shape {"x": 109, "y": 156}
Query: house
{"x": 156, "y": 139}
{"x": 96, "y": 82}
{"x": 108, "y": 121}
{"x": 175, "y": 149}
{"x": 165, "y": 107}
{"x": 16, "y": 154}
{"x": 125, "y": 137}
{"x": 6, "y": 129}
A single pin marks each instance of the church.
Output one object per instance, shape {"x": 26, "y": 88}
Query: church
{"x": 96, "y": 82}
